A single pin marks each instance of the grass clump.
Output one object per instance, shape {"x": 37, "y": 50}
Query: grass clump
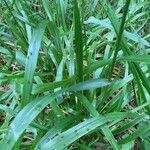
{"x": 74, "y": 75}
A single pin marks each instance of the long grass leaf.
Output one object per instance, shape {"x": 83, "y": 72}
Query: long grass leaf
{"x": 31, "y": 62}
{"x": 74, "y": 133}
{"x": 22, "y": 120}
{"x": 78, "y": 42}
{"x": 119, "y": 36}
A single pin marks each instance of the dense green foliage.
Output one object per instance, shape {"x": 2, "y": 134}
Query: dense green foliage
{"x": 74, "y": 74}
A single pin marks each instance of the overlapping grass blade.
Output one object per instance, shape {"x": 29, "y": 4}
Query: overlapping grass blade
{"x": 74, "y": 133}
{"x": 47, "y": 10}
{"x": 22, "y": 120}
{"x": 126, "y": 50}
{"x": 136, "y": 134}
{"x": 107, "y": 24}
{"x": 85, "y": 111}
{"x": 119, "y": 36}
{"x": 7, "y": 110}
{"x": 128, "y": 125}
{"x": 95, "y": 113}
{"x": 31, "y": 62}
{"x": 58, "y": 128}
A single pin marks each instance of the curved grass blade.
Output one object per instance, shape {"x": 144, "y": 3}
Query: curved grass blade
{"x": 74, "y": 133}
{"x": 22, "y": 120}
{"x": 106, "y": 24}
{"x": 59, "y": 127}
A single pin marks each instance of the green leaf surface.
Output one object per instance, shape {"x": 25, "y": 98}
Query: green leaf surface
{"x": 22, "y": 120}
{"x": 31, "y": 62}
{"x": 74, "y": 133}
{"x": 88, "y": 85}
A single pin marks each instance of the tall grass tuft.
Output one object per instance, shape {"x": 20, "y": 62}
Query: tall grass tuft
{"x": 74, "y": 75}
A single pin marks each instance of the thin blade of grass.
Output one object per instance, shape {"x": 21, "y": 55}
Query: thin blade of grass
{"x": 119, "y": 36}
{"x": 136, "y": 134}
{"x": 78, "y": 42}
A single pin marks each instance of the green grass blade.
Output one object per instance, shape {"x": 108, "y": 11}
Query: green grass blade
{"x": 22, "y": 120}
{"x": 128, "y": 125}
{"x": 74, "y": 133}
{"x": 126, "y": 49}
{"x": 95, "y": 113}
{"x": 31, "y": 62}
{"x": 59, "y": 127}
{"x": 85, "y": 102}
{"x": 88, "y": 85}
{"x": 136, "y": 134}
{"x": 40, "y": 88}
{"x": 7, "y": 110}
{"x": 95, "y": 65}
{"x": 47, "y": 9}
{"x": 137, "y": 58}
{"x": 78, "y": 42}
{"x": 119, "y": 36}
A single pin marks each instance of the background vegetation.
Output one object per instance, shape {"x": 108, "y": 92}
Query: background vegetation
{"x": 74, "y": 74}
